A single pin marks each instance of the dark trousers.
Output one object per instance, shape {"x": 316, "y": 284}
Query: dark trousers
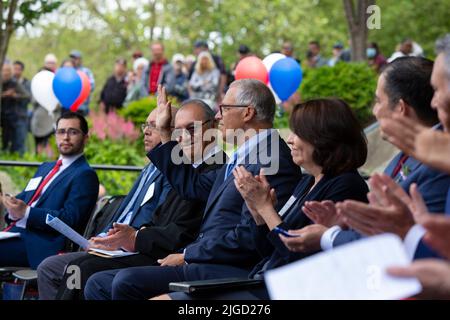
{"x": 142, "y": 283}
{"x": 90, "y": 264}
{"x": 13, "y": 252}
{"x": 14, "y": 133}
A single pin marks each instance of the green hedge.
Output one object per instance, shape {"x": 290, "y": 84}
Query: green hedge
{"x": 137, "y": 111}
{"x": 354, "y": 83}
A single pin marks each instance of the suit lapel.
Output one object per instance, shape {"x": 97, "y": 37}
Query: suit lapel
{"x": 137, "y": 206}
{"x": 71, "y": 169}
{"x": 250, "y": 159}
{"x": 43, "y": 171}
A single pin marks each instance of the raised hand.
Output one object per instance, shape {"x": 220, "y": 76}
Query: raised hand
{"x": 163, "y": 114}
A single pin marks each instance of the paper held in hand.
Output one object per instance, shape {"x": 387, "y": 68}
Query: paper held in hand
{"x": 67, "y": 231}
{"x": 353, "y": 271}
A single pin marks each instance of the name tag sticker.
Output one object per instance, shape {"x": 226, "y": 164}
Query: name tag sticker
{"x": 33, "y": 184}
{"x": 287, "y": 205}
{"x": 149, "y": 194}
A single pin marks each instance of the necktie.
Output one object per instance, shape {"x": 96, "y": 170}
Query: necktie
{"x": 38, "y": 192}
{"x": 399, "y": 166}
{"x": 130, "y": 205}
{"x": 231, "y": 165}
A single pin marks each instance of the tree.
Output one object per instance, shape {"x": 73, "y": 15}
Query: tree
{"x": 11, "y": 19}
{"x": 356, "y": 21}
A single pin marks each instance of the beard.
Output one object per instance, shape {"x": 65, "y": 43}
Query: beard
{"x": 70, "y": 151}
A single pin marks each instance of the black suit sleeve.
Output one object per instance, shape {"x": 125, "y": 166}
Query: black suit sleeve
{"x": 175, "y": 224}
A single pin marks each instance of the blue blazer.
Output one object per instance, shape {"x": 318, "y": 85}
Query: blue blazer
{"x": 349, "y": 185}
{"x": 433, "y": 186}
{"x": 225, "y": 236}
{"x": 71, "y": 197}
{"x": 144, "y": 213}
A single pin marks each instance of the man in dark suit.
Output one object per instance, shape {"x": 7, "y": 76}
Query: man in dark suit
{"x": 224, "y": 246}
{"x": 66, "y": 189}
{"x": 404, "y": 89}
{"x": 174, "y": 223}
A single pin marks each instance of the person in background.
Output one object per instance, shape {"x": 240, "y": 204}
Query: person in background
{"x": 50, "y": 62}
{"x": 313, "y": 55}
{"x": 376, "y": 60}
{"x": 180, "y": 89}
{"x": 42, "y": 124}
{"x": 136, "y": 88}
{"x": 76, "y": 58}
{"x": 243, "y": 52}
{"x": 14, "y": 113}
{"x": 338, "y": 49}
{"x": 18, "y": 68}
{"x": 114, "y": 91}
{"x": 201, "y": 46}
{"x": 288, "y": 50}
{"x": 204, "y": 82}
{"x": 159, "y": 71}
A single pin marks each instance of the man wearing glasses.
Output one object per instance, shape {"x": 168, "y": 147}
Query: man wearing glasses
{"x": 66, "y": 189}
{"x": 225, "y": 246}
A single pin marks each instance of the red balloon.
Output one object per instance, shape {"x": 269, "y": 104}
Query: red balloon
{"x": 252, "y": 68}
{"x": 84, "y": 93}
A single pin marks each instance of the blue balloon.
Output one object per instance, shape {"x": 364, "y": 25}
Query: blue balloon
{"x": 67, "y": 86}
{"x": 285, "y": 77}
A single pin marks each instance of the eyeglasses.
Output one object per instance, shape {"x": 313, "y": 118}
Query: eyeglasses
{"x": 191, "y": 129}
{"x": 72, "y": 132}
{"x": 221, "y": 106}
{"x": 147, "y": 125}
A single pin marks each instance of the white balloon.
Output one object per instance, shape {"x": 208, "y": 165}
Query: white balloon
{"x": 271, "y": 59}
{"x": 140, "y": 61}
{"x": 42, "y": 90}
{"x": 268, "y": 62}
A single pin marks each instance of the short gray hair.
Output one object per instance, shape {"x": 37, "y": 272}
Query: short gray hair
{"x": 208, "y": 113}
{"x": 255, "y": 93}
{"x": 443, "y": 46}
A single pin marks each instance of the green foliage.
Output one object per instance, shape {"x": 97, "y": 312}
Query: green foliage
{"x": 32, "y": 10}
{"x": 137, "y": 111}
{"x": 354, "y": 83}
{"x": 115, "y": 153}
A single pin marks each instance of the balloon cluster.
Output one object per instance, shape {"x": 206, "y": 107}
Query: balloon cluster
{"x": 282, "y": 74}
{"x": 68, "y": 87}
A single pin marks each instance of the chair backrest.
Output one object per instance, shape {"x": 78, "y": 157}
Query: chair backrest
{"x": 106, "y": 208}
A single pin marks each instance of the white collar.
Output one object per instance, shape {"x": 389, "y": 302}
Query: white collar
{"x": 212, "y": 151}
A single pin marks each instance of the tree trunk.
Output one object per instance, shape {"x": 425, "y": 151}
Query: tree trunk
{"x": 357, "y": 27}
{"x": 152, "y": 19}
{"x": 6, "y": 30}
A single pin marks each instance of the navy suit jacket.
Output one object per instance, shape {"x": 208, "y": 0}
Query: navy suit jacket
{"x": 144, "y": 213}
{"x": 349, "y": 185}
{"x": 433, "y": 186}
{"x": 71, "y": 197}
{"x": 225, "y": 236}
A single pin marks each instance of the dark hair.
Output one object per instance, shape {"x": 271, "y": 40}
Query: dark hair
{"x": 316, "y": 43}
{"x": 330, "y": 126}
{"x": 75, "y": 115}
{"x": 408, "y": 78}
{"x": 375, "y": 46}
{"x": 20, "y": 63}
{"x": 208, "y": 113}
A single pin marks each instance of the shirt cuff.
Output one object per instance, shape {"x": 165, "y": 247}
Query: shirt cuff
{"x": 412, "y": 239}
{"x": 22, "y": 223}
{"x": 327, "y": 239}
